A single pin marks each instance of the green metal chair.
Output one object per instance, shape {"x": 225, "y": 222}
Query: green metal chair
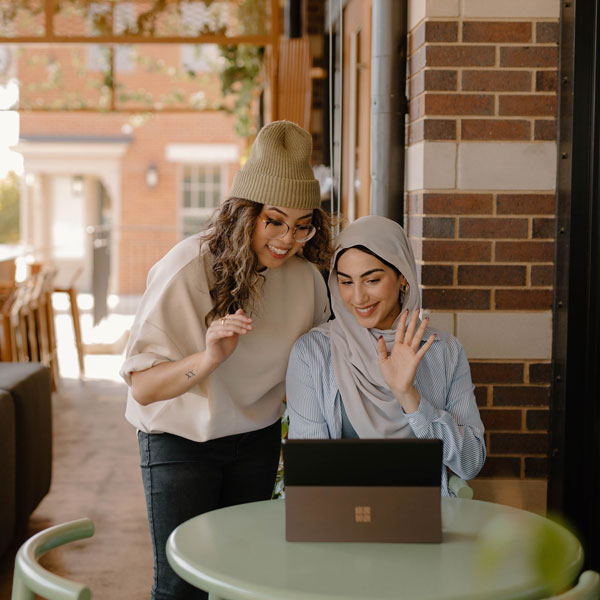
{"x": 31, "y": 578}
{"x": 587, "y": 588}
{"x": 460, "y": 487}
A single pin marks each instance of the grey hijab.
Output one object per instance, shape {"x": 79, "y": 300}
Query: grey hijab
{"x": 369, "y": 403}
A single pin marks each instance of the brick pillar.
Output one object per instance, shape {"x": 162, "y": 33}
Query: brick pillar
{"x": 481, "y": 168}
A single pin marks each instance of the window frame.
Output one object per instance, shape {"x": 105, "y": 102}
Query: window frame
{"x": 182, "y": 211}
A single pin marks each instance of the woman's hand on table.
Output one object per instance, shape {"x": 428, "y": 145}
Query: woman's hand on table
{"x": 400, "y": 366}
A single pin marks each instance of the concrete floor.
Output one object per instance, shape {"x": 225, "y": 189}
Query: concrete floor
{"x": 95, "y": 474}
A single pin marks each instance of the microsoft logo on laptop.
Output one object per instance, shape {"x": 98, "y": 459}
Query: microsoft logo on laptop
{"x": 362, "y": 514}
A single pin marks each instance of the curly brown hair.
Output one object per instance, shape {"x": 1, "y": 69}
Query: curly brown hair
{"x": 238, "y": 281}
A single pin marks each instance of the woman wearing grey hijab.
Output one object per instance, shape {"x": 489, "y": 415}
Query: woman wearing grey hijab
{"x": 376, "y": 370}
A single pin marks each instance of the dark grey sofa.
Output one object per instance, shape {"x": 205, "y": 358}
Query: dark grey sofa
{"x": 25, "y": 445}
{"x": 7, "y": 469}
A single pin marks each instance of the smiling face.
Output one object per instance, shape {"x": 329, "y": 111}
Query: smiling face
{"x": 369, "y": 289}
{"x": 273, "y": 252}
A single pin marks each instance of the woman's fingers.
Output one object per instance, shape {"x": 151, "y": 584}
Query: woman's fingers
{"x": 412, "y": 326}
{"x": 237, "y": 317}
{"x": 232, "y": 328}
{"x": 400, "y": 331}
{"x": 382, "y": 354}
{"x": 234, "y": 321}
{"x": 228, "y": 326}
{"x": 419, "y": 334}
{"x": 426, "y": 346}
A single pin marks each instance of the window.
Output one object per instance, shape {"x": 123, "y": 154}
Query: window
{"x": 201, "y": 193}
{"x": 124, "y": 17}
{"x": 98, "y": 55}
{"x": 199, "y": 18}
{"x": 200, "y": 58}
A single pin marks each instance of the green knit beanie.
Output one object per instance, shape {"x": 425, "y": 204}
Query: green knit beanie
{"x": 278, "y": 170}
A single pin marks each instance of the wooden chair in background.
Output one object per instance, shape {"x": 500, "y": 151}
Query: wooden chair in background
{"x": 46, "y": 320}
{"x": 6, "y": 334}
{"x": 27, "y": 325}
{"x": 18, "y": 326}
{"x": 7, "y": 294}
{"x": 28, "y": 317}
{"x": 43, "y": 312}
{"x": 71, "y": 292}
{"x": 27, "y": 332}
{"x": 8, "y": 269}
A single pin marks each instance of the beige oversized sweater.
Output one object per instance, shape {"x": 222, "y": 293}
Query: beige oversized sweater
{"x": 246, "y": 391}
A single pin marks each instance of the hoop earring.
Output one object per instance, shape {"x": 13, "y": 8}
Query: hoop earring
{"x": 404, "y": 288}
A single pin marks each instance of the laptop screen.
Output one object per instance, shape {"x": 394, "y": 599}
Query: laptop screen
{"x": 362, "y": 462}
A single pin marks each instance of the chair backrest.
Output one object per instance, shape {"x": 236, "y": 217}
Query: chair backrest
{"x": 31, "y": 578}
{"x": 587, "y": 588}
{"x": 459, "y": 487}
{"x": 8, "y": 269}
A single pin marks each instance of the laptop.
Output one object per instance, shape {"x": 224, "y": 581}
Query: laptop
{"x": 363, "y": 490}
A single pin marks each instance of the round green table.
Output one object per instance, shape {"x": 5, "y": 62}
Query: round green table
{"x": 240, "y": 553}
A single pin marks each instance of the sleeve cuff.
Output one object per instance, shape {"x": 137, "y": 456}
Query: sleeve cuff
{"x": 140, "y": 362}
{"x": 422, "y": 418}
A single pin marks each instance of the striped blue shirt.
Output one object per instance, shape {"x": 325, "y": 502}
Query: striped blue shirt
{"x": 447, "y": 410}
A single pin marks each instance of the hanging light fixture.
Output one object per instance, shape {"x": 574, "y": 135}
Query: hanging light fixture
{"x": 77, "y": 184}
{"x": 151, "y": 176}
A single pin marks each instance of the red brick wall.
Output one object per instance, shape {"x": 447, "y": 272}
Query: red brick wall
{"x": 485, "y": 250}
{"x": 513, "y": 401}
{"x": 483, "y": 80}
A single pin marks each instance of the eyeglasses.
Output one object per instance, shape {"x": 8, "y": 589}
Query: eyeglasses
{"x": 278, "y": 230}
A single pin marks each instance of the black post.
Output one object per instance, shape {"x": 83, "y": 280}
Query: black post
{"x": 574, "y": 482}
{"x": 293, "y": 19}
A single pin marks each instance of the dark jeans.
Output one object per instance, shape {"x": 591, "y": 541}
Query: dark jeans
{"x": 183, "y": 479}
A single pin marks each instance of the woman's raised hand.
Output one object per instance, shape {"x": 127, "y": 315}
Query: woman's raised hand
{"x": 223, "y": 334}
{"x": 400, "y": 366}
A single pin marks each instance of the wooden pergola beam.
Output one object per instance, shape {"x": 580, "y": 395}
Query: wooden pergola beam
{"x": 221, "y": 40}
{"x": 49, "y": 37}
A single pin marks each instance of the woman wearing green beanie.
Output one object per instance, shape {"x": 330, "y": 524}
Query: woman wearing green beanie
{"x": 209, "y": 347}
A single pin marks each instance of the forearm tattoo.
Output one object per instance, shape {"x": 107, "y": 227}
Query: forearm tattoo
{"x": 190, "y": 374}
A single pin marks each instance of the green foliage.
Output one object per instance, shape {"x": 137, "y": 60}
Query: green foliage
{"x": 9, "y": 11}
{"x": 240, "y": 78}
{"x": 279, "y": 490}
{"x": 9, "y": 209}
{"x": 253, "y": 16}
{"x": 241, "y": 75}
